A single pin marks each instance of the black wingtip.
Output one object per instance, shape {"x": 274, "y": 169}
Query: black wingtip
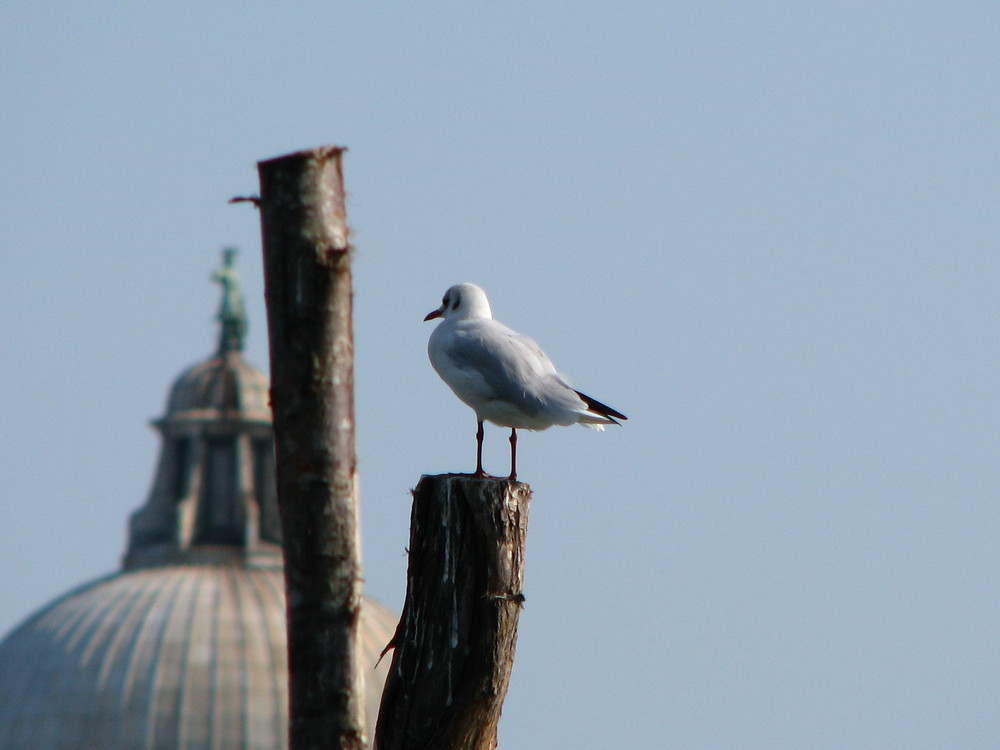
{"x": 603, "y": 409}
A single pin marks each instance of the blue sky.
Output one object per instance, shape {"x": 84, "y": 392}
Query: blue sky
{"x": 766, "y": 232}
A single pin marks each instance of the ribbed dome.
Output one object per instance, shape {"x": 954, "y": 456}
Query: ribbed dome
{"x": 221, "y": 385}
{"x": 185, "y": 649}
{"x": 185, "y": 656}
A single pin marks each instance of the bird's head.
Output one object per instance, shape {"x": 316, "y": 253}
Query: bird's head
{"x": 463, "y": 301}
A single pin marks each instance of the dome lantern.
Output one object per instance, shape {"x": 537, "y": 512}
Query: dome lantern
{"x": 213, "y": 495}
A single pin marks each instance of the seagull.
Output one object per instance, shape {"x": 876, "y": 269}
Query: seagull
{"x": 504, "y": 376}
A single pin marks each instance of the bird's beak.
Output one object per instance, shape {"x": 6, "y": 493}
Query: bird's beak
{"x": 431, "y": 315}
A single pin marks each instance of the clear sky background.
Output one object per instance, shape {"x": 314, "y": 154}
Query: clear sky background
{"x": 767, "y": 232}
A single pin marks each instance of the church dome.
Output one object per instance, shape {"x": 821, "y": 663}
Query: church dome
{"x": 182, "y": 656}
{"x": 185, "y": 648}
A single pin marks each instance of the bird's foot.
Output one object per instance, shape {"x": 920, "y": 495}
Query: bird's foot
{"x": 479, "y": 475}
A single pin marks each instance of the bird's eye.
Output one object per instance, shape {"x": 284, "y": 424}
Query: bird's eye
{"x": 444, "y": 302}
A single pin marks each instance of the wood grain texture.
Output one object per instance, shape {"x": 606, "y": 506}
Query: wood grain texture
{"x": 454, "y": 647}
{"x": 307, "y": 279}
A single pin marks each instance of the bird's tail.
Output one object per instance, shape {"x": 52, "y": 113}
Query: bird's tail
{"x": 598, "y": 414}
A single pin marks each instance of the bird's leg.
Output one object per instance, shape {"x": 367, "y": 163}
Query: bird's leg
{"x": 479, "y": 451}
{"x": 513, "y": 454}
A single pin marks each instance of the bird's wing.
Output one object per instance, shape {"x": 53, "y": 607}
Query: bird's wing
{"x": 500, "y": 364}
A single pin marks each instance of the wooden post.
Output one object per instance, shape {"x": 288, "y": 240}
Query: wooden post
{"x": 307, "y": 280}
{"x": 454, "y": 647}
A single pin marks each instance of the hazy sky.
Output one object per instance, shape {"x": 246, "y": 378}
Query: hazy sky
{"x": 767, "y": 232}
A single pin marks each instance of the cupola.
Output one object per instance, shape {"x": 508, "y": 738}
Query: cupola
{"x": 213, "y": 494}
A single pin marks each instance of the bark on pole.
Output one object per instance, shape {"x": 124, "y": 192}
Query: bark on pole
{"x": 307, "y": 280}
{"x": 454, "y": 646}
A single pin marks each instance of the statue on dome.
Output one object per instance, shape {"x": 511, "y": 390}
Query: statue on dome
{"x": 232, "y": 314}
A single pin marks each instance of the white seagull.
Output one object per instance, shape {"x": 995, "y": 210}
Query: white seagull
{"x": 505, "y": 377}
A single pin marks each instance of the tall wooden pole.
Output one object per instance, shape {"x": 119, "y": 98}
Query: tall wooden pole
{"x": 307, "y": 280}
{"x": 454, "y": 646}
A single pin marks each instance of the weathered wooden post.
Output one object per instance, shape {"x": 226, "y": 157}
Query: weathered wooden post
{"x": 307, "y": 275}
{"x": 454, "y": 647}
